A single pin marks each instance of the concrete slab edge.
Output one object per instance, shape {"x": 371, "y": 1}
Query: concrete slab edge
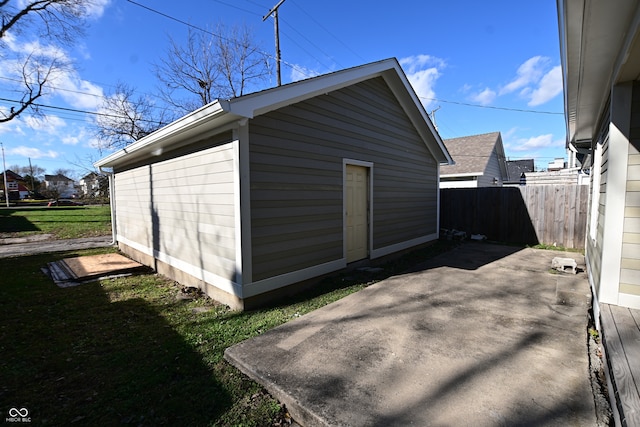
{"x": 298, "y": 413}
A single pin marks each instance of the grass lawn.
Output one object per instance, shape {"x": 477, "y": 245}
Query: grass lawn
{"x": 64, "y": 222}
{"x": 127, "y": 351}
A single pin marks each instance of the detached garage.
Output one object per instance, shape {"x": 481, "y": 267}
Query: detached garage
{"x": 249, "y": 195}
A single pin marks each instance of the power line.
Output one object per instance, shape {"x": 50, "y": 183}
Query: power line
{"x": 195, "y": 27}
{"x": 328, "y": 32}
{"x": 519, "y": 110}
{"x": 73, "y": 110}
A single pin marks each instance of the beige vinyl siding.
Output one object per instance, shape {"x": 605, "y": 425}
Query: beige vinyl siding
{"x": 296, "y": 157}
{"x": 492, "y": 171}
{"x": 630, "y": 262}
{"x": 182, "y": 208}
{"x": 594, "y": 247}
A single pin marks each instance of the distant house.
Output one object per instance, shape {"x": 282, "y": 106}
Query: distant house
{"x": 479, "y": 162}
{"x": 517, "y": 170}
{"x": 60, "y": 184}
{"x": 282, "y": 186}
{"x": 557, "y": 164}
{"x": 89, "y": 185}
{"x": 16, "y": 186}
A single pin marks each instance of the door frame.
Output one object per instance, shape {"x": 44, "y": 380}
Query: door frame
{"x": 369, "y": 166}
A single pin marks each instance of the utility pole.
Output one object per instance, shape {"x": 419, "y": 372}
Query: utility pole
{"x": 274, "y": 12}
{"x": 4, "y": 165}
{"x": 33, "y": 187}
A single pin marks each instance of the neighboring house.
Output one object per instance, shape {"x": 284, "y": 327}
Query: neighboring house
{"x": 282, "y": 185}
{"x": 516, "y": 169}
{"x": 573, "y": 176}
{"x": 65, "y": 187}
{"x": 557, "y": 164}
{"x": 479, "y": 162}
{"x": 90, "y": 185}
{"x": 16, "y": 186}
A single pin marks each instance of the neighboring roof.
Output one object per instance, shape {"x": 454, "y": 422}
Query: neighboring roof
{"x": 11, "y": 175}
{"x": 599, "y": 46}
{"x": 89, "y": 176}
{"x": 57, "y": 178}
{"x": 472, "y": 154}
{"x": 222, "y": 113}
{"x": 515, "y": 168}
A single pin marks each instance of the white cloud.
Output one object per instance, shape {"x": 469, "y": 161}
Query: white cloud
{"x": 536, "y": 143}
{"x": 77, "y": 92}
{"x": 548, "y": 88}
{"x": 64, "y": 81}
{"x": 485, "y": 97}
{"x": 529, "y": 72}
{"x": 95, "y": 8}
{"x": 298, "y": 72}
{"x": 75, "y": 138}
{"x": 47, "y": 124}
{"x": 536, "y": 81}
{"x": 34, "y": 153}
{"x": 422, "y": 72}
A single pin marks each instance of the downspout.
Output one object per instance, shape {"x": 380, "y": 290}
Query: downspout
{"x": 112, "y": 204}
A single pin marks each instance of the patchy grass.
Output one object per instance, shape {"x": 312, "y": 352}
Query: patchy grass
{"x": 63, "y": 222}
{"x": 556, "y": 248}
{"x": 127, "y": 351}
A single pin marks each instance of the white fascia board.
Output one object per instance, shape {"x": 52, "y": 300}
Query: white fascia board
{"x": 272, "y": 99}
{"x": 461, "y": 175}
{"x": 412, "y": 105}
{"x": 196, "y": 122}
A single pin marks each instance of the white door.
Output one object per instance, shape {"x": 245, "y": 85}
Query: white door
{"x": 357, "y": 212}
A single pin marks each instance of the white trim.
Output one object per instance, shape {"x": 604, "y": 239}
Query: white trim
{"x": 242, "y": 203}
{"x": 461, "y": 175}
{"x": 387, "y": 250}
{"x": 368, "y": 165}
{"x": 629, "y": 300}
{"x": 613, "y": 227}
{"x": 212, "y": 279}
{"x": 276, "y": 282}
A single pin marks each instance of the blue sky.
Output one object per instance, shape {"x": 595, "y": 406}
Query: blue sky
{"x": 483, "y": 66}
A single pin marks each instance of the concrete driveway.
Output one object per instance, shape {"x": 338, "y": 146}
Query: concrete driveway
{"x": 475, "y": 337}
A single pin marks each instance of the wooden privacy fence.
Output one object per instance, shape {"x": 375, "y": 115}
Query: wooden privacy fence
{"x": 530, "y": 214}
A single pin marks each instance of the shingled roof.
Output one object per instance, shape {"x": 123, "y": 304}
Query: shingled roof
{"x": 471, "y": 153}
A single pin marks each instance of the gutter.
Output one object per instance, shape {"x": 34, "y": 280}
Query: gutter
{"x": 112, "y": 203}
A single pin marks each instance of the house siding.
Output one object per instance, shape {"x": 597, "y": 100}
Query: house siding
{"x": 594, "y": 246}
{"x": 630, "y": 262}
{"x": 296, "y": 159}
{"x": 181, "y": 210}
{"x": 492, "y": 171}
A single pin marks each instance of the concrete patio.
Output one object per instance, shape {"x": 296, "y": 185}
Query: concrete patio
{"x": 478, "y": 336}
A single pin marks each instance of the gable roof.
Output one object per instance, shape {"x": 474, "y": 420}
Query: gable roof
{"x": 515, "y": 168}
{"x": 222, "y": 113}
{"x": 472, "y": 154}
{"x": 11, "y": 175}
{"x": 57, "y": 178}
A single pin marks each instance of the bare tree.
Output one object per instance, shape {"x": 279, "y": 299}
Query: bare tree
{"x": 124, "y": 118}
{"x": 220, "y": 64}
{"x": 47, "y": 21}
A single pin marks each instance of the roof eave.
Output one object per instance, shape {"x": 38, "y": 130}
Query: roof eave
{"x": 189, "y": 126}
